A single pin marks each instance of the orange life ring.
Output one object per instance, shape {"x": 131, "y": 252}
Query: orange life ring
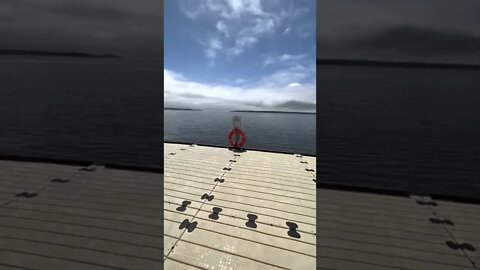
{"x": 236, "y": 131}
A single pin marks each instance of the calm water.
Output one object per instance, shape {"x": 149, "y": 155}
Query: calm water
{"x": 409, "y": 129}
{"x": 397, "y": 128}
{"x": 276, "y": 132}
{"x": 100, "y": 110}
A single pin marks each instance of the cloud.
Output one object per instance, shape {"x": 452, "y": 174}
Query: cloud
{"x": 416, "y": 31}
{"x": 405, "y": 43}
{"x": 241, "y": 45}
{"x": 228, "y": 9}
{"x": 240, "y": 24}
{"x": 133, "y": 30}
{"x": 213, "y": 45}
{"x": 284, "y": 77}
{"x": 211, "y": 53}
{"x": 296, "y": 105}
{"x": 222, "y": 27}
{"x": 272, "y": 91}
{"x": 284, "y": 58}
{"x": 93, "y": 11}
{"x": 417, "y": 40}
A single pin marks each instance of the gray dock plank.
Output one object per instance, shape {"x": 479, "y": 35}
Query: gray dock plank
{"x": 275, "y": 187}
{"x": 101, "y": 219}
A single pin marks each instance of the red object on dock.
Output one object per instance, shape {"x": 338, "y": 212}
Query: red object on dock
{"x": 237, "y": 132}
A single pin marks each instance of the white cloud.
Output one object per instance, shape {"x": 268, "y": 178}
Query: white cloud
{"x": 242, "y": 44}
{"x": 289, "y": 57}
{"x": 294, "y": 85}
{"x": 174, "y": 75}
{"x": 284, "y": 58}
{"x": 211, "y": 53}
{"x": 244, "y": 6}
{"x": 213, "y": 45}
{"x": 239, "y": 24}
{"x": 262, "y": 26}
{"x": 222, "y": 27}
{"x": 286, "y": 31}
{"x": 228, "y": 9}
{"x": 270, "y": 91}
{"x": 284, "y": 77}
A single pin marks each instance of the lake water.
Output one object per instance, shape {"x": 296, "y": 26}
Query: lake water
{"x": 293, "y": 133}
{"x": 412, "y": 129}
{"x": 86, "y": 109}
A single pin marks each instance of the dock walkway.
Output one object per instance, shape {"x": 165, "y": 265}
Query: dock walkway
{"x": 55, "y": 216}
{"x": 358, "y": 230}
{"x": 228, "y": 210}
{"x": 221, "y": 210}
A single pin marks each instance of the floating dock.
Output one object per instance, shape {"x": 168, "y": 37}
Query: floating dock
{"x": 222, "y": 210}
{"x": 238, "y": 210}
{"x": 358, "y": 230}
{"x": 56, "y": 216}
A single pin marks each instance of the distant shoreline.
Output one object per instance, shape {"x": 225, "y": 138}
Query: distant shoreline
{"x": 181, "y": 109}
{"x": 285, "y": 112}
{"x": 395, "y": 64}
{"x": 50, "y": 53}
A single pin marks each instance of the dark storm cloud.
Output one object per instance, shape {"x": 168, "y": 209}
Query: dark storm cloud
{"x": 92, "y": 11}
{"x": 130, "y": 28}
{"x": 296, "y": 105}
{"x": 404, "y": 30}
{"x": 414, "y": 41}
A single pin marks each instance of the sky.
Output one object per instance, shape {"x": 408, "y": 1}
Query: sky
{"x": 252, "y": 53}
{"x": 401, "y": 30}
{"x": 240, "y": 54}
{"x": 132, "y": 29}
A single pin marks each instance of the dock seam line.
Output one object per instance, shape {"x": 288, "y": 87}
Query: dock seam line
{"x": 452, "y": 236}
{"x": 193, "y": 218}
{"x": 40, "y": 188}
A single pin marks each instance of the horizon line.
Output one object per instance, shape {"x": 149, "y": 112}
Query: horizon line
{"x": 389, "y": 63}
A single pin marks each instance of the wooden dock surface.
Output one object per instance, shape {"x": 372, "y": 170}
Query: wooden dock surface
{"x": 71, "y": 217}
{"x": 221, "y": 210}
{"x": 371, "y": 231}
{"x": 356, "y": 230}
{"x": 238, "y": 208}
